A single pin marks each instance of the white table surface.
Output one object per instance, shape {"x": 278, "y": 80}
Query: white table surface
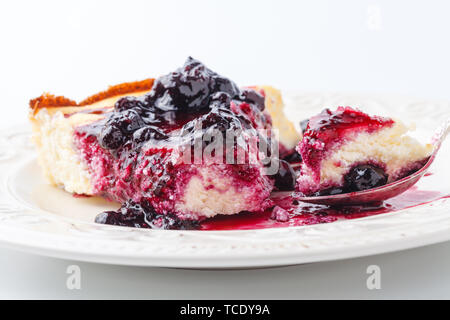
{"x": 74, "y": 48}
{"x": 420, "y": 273}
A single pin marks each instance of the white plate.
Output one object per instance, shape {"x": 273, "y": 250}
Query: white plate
{"x": 37, "y": 218}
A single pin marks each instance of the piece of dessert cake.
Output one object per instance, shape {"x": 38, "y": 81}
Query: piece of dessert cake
{"x": 135, "y": 144}
{"x": 347, "y": 150}
{"x": 285, "y": 131}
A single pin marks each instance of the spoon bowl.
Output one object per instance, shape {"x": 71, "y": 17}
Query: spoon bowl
{"x": 387, "y": 191}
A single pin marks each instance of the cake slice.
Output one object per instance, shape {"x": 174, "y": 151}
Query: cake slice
{"x": 134, "y": 144}
{"x": 347, "y": 150}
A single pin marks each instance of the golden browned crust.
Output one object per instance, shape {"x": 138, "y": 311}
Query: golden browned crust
{"x": 119, "y": 89}
{"x": 48, "y": 100}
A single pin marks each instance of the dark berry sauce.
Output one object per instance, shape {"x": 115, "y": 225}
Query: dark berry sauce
{"x": 290, "y": 213}
{"x": 286, "y": 212}
{"x": 293, "y": 157}
{"x": 143, "y": 215}
{"x": 177, "y": 102}
{"x": 285, "y": 178}
{"x": 331, "y": 125}
{"x": 129, "y": 152}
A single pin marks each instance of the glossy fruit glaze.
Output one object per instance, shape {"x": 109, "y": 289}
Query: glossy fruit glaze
{"x": 191, "y": 97}
{"x": 133, "y": 153}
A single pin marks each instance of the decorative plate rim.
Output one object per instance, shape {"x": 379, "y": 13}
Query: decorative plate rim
{"x": 34, "y": 230}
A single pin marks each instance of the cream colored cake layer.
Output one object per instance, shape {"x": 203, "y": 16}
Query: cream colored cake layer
{"x": 62, "y": 166}
{"x": 286, "y": 132}
{"x": 223, "y": 197}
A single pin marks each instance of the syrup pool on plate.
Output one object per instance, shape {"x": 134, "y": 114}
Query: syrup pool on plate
{"x": 300, "y": 214}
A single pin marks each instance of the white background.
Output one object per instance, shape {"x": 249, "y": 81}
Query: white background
{"x": 76, "y": 48}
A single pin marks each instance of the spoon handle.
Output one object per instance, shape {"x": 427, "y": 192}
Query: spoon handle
{"x": 440, "y": 135}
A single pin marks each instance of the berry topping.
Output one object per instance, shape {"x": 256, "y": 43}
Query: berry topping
{"x": 189, "y": 88}
{"x": 127, "y": 103}
{"x": 329, "y": 125}
{"x": 181, "y": 99}
{"x": 142, "y": 215}
{"x": 127, "y": 121}
{"x": 143, "y": 141}
{"x": 148, "y": 133}
{"x": 285, "y": 177}
{"x": 111, "y": 137}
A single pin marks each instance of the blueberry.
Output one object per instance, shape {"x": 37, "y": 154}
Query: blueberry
{"x": 129, "y": 214}
{"x": 218, "y": 121}
{"x": 285, "y": 177}
{"x": 294, "y": 157}
{"x": 148, "y": 133}
{"x": 127, "y": 103}
{"x": 105, "y": 217}
{"x": 221, "y": 84}
{"x": 127, "y": 121}
{"x": 363, "y": 177}
{"x": 186, "y": 89}
{"x": 143, "y": 215}
{"x": 221, "y": 99}
{"x": 111, "y": 137}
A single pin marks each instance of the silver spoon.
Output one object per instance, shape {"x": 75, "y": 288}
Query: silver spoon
{"x": 387, "y": 191}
